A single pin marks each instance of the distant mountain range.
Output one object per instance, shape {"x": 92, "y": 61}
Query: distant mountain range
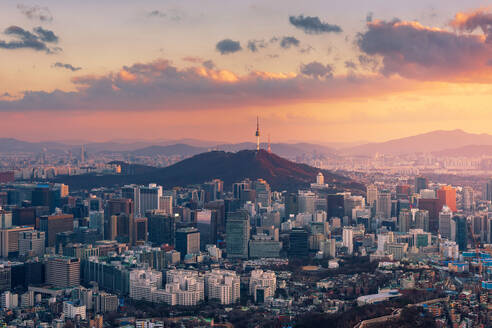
{"x": 280, "y": 173}
{"x": 435, "y": 141}
{"x": 181, "y": 148}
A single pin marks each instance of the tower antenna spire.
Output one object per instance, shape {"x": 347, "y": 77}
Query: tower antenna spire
{"x": 257, "y": 133}
{"x": 269, "y": 145}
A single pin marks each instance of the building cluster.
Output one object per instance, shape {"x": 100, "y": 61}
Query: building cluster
{"x": 80, "y": 255}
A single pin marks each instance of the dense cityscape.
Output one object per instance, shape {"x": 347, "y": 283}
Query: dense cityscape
{"x": 403, "y": 249}
{"x": 245, "y": 164}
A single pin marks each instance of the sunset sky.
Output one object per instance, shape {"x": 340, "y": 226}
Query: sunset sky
{"x": 318, "y": 71}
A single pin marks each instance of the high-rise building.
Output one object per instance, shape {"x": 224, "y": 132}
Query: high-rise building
{"x": 335, "y": 206}
{"x": 219, "y": 207}
{"x": 237, "y": 234}
{"x": 298, "y": 243}
{"x": 488, "y": 190}
{"x": 306, "y": 202}
{"x": 291, "y": 205}
{"x": 422, "y": 220}
{"x": 149, "y": 198}
{"x": 188, "y": 241}
{"x": 348, "y": 239}
{"x": 459, "y": 231}
{"x": 383, "y": 205}
{"x": 445, "y": 222}
{"x": 404, "y": 220}
{"x": 421, "y": 183}
{"x": 5, "y": 219}
{"x": 468, "y": 198}
{"x": 9, "y": 241}
{"x": 263, "y": 194}
{"x": 447, "y": 196}
{"x": 31, "y": 243}
{"x": 54, "y": 224}
{"x": 116, "y": 207}
{"x": 140, "y": 230}
{"x": 63, "y": 272}
{"x": 433, "y": 206}
{"x": 372, "y": 195}
{"x": 166, "y": 204}
{"x": 131, "y": 192}
{"x": 206, "y": 223}
{"x": 162, "y": 228}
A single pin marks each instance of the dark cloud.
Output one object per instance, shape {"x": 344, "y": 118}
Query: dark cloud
{"x": 317, "y": 70}
{"x": 255, "y": 45}
{"x": 67, "y": 66}
{"x": 350, "y": 64}
{"x": 198, "y": 60}
{"x": 369, "y": 63}
{"x": 289, "y": 41}
{"x": 313, "y": 25}
{"x": 173, "y": 15}
{"x": 468, "y": 22}
{"x": 161, "y": 86}
{"x": 156, "y": 13}
{"x": 46, "y": 35}
{"x": 208, "y": 64}
{"x": 41, "y": 14}
{"x": 37, "y": 40}
{"x": 228, "y": 46}
{"x": 416, "y": 51}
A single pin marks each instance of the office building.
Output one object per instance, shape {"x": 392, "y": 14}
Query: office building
{"x": 298, "y": 243}
{"x": 54, "y": 224}
{"x": 188, "y": 241}
{"x": 348, "y": 239}
{"x": 445, "y": 222}
{"x": 405, "y": 220}
{"x": 63, "y": 272}
{"x": 31, "y": 243}
{"x": 149, "y": 198}
{"x": 237, "y": 234}
{"x": 9, "y": 241}
{"x": 459, "y": 231}
{"x": 166, "y": 204}
{"x": 422, "y": 220}
{"x": 162, "y": 228}
{"x": 383, "y": 204}
{"x": 447, "y": 196}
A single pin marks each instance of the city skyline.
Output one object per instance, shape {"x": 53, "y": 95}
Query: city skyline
{"x": 324, "y": 72}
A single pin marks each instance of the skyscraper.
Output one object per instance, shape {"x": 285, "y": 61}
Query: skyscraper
{"x": 237, "y": 234}
{"x": 404, "y": 220}
{"x": 383, "y": 206}
{"x": 187, "y": 241}
{"x": 445, "y": 222}
{"x": 447, "y": 196}
{"x": 63, "y": 272}
{"x": 372, "y": 195}
{"x": 421, "y": 183}
{"x": 53, "y": 224}
{"x": 162, "y": 228}
{"x": 459, "y": 231}
{"x": 422, "y": 220}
